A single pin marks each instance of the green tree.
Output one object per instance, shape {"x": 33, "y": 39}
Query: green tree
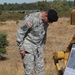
{"x": 58, "y": 5}
{"x": 3, "y": 43}
{"x": 43, "y": 5}
{"x": 1, "y": 8}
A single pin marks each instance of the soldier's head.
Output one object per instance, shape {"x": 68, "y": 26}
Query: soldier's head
{"x": 50, "y": 16}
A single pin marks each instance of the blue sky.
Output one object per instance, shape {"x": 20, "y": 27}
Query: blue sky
{"x": 21, "y": 1}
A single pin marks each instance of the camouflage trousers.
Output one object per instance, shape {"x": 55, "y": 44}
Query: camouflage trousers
{"x": 34, "y": 62}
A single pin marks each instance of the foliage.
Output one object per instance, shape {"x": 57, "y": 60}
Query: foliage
{"x": 58, "y": 4}
{"x": 3, "y": 43}
{"x": 10, "y": 16}
{"x": 17, "y": 22}
{"x": 61, "y": 6}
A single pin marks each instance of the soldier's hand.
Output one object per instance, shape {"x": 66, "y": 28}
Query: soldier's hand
{"x": 22, "y": 52}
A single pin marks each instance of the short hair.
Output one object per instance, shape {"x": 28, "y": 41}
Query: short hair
{"x": 52, "y": 15}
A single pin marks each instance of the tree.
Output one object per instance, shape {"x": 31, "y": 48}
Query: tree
{"x": 43, "y": 5}
{"x": 3, "y": 44}
{"x": 57, "y": 4}
{"x": 1, "y": 8}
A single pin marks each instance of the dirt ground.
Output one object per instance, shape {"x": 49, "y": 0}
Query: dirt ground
{"x": 59, "y": 36}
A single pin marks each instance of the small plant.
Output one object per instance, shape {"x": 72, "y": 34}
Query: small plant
{"x": 3, "y": 43}
{"x": 17, "y": 22}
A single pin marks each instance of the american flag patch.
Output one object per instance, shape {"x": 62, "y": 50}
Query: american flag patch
{"x": 28, "y": 23}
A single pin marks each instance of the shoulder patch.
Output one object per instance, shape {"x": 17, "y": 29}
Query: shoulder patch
{"x": 28, "y": 23}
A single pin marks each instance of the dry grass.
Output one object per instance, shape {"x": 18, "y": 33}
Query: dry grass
{"x": 59, "y": 36}
{"x": 13, "y": 64}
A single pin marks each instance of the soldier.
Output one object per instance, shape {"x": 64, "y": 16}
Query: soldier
{"x": 31, "y": 37}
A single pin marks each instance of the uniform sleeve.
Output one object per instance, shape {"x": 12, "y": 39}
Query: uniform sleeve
{"x": 21, "y": 32}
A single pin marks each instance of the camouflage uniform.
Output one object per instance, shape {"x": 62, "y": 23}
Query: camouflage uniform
{"x": 31, "y": 36}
